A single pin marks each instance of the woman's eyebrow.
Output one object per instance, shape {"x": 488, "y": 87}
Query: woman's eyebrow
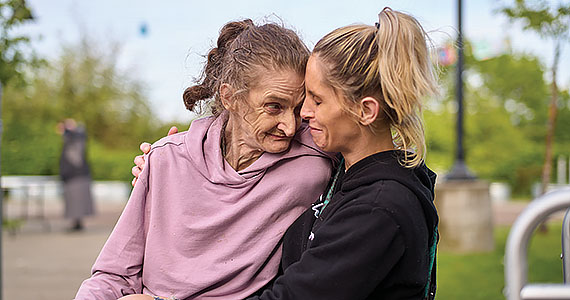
{"x": 278, "y": 98}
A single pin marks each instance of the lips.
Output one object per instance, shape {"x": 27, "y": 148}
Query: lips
{"x": 278, "y": 137}
{"x": 315, "y": 129}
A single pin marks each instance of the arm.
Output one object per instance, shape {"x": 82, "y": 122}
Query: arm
{"x": 351, "y": 253}
{"x": 117, "y": 270}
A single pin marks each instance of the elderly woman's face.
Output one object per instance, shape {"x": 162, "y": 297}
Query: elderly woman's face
{"x": 271, "y": 117}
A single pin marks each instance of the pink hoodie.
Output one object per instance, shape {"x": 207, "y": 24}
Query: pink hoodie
{"x": 194, "y": 228}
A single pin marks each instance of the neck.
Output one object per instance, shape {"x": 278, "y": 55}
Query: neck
{"x": 235, "y": 148}
{"x": 367, "y": 144}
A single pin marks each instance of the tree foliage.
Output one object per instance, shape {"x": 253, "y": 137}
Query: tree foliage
{"x": 505, "y": 99}
{"x": 505, "y": 119}
{"x": 84, "y": 83}
{"x": 15, "y": 51}
{"x": 550, "y": 23}
{"x": 538, "y": 16}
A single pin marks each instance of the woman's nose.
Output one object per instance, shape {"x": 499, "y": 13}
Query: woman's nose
{"x": 306, "y": 110}
{"x": 288, "y": 124}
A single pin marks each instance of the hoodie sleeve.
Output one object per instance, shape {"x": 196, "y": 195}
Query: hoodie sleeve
{"x": 350, "y": 254}
{"x": 117, "y": 271}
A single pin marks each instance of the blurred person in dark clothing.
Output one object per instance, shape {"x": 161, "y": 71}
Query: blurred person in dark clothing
{"x": 75, "y": 174}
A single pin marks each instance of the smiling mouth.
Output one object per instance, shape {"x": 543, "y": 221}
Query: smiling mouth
{"x": 280, "y": 137}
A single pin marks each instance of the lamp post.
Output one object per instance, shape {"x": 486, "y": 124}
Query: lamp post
{"x": 459, "y": 171}
{"x": 463, "y": 201}
{"x": 1, "y": 198}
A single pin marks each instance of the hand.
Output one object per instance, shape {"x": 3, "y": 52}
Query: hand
{"x": 139, "y": 159}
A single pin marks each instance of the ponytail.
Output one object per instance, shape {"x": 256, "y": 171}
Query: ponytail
{"x": 406, "y": 76}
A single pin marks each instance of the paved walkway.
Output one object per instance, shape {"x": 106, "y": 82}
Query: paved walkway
{"x": 42, "y": 264}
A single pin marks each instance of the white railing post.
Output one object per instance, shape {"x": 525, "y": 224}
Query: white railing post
{"x": 516, "y": 266}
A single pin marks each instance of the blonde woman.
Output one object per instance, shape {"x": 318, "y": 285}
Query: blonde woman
{"x": 373, "y": 234}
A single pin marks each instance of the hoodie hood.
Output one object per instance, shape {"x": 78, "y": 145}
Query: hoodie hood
{"x": 420, "y": 180}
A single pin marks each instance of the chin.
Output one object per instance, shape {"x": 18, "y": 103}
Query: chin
{"x": 320, "y": 144}
{"x": 277, "y": 148}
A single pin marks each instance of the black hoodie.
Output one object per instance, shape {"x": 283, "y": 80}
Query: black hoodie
{"x": 372, "y": 241}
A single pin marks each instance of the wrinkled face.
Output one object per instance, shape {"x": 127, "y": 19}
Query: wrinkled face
{"x": 332, "y": 128}
{"x": 271, "y": 117}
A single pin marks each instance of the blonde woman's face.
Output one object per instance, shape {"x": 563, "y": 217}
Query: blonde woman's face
{"x": 332, "y": 128}
{"x": 271, "y": 117}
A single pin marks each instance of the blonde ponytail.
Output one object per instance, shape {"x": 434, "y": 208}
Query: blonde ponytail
{"x": 406, "y": 76}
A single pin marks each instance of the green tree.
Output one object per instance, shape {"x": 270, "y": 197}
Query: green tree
{"x": 516, "y": 82}
{"x": 15, "y": 51}
{"x": 550, "y": 23}
{"x": 84, "y": 83}
{"x": 504, "y": 121}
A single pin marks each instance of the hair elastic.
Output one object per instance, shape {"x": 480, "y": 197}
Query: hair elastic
{"x": 377, "y": 25}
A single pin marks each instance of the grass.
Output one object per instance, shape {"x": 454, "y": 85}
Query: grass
{"x": 480, "y": 275}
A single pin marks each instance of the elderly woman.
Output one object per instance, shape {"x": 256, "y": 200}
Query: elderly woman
{"x": 207, "y": 215}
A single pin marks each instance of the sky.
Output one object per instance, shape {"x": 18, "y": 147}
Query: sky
{"x": 178, "y": 32}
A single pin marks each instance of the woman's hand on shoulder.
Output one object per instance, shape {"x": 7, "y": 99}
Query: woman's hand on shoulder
{"x": 139, "y": 161}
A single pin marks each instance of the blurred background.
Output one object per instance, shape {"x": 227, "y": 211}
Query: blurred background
{"x": 119, "y": 68}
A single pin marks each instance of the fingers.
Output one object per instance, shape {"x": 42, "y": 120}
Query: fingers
{"x": 172, "y": 130}
{"x": 139, "y": 159}
{"x": 136, "y": 171}
{"x": 145, "y": 147}
{"x": 139, "y": 162}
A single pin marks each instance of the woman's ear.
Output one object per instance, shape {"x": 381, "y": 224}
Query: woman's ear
{"x": 369, "y": 110}
{"x": 226, "y": 95}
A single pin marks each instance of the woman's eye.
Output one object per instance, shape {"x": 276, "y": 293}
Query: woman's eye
{"x": 313, "y": 99}
{"x": 273, "y": 107}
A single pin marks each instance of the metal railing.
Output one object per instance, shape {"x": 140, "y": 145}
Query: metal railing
{"x": 29, "y": 193}
{"x": 516, "y": 267}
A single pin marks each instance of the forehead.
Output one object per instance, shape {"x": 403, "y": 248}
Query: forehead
{"x": 313, "y": 73}
{"x": 283, "y": 85}
{"x": 314, "y": 77}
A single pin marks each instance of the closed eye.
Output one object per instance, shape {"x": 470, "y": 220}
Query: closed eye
{"x": 314, "y": 98}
